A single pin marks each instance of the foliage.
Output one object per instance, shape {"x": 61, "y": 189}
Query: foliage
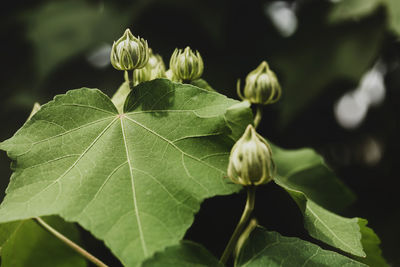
{"x": 134, "y": 169}
{"x": 135, "y": 178}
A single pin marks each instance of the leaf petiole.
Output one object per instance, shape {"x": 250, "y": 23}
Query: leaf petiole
{"x": 69, "y": 242}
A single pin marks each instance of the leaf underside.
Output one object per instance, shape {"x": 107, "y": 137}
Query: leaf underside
{"x": 264, "y": 248}
{"x": 133, "y": 179}
{"x": 313, "y": 186}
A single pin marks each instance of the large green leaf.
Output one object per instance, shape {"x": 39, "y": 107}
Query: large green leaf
{"x": 185, "y": 254}
{"x": 270, "y": 249}
{"x": 133, "y": 179}
{"x": 25, "y": 243}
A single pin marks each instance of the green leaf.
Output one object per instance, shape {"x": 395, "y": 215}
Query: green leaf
{"x": 60, "y": 30}
{"x": 264, "y": 248}
{"x": 133, "y": 179}
{"x": 393, "y": 9}
{"x": 235, "y": 117}
{"x": 202, "y": 84}
{"x": 304, "y": 170}
{"x": 120, "y": 96}
{"x": 370, "y": 242}
{"x": 352, "y": 10}
{"x": 185, "y": 254}
{"x": 314, "y": 187}
{"x": 25, "y": 243}
{"x": 342, "y": 53}
{"x": 357, "y": 9}
{"x": 337, "y": 231}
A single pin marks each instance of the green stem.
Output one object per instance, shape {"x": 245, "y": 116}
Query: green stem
{"x": 69, "y": 243}
{"x": 258, "y": 116}
{"x": 244, "y": 236}
{"x": 129, "y": 75}
{"x": 251, "y": 190}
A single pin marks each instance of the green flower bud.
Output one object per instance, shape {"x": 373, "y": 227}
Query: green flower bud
{"x": 170, "y": 75}
{"x": 142, "y": 75}
{"x": 262, "y": 86}
{"x": 186, "y": 65}
{"x": 129, "y": 52}
{"x": 157, "y": 66}
{"x": 154, "y": 69}
{"x": 250, "y": 161}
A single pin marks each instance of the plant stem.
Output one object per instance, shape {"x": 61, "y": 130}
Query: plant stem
{"x": 258, "y": 116}
{"x": 244, "y": 236}
{"x": 129, "y": 76}
{"x": 69, "y": 243}
{"x": 251, "y": 190}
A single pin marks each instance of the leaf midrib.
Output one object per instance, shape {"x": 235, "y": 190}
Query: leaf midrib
{"x": 141, "y": 235}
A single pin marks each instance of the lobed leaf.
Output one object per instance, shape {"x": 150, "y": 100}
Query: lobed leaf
{"x": 133, "y": 179}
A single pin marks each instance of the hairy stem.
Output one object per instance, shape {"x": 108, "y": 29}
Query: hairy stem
{"x": 258, "y": 116}
{"x": 69, "y": 243}
{"x": 251, "y": 190}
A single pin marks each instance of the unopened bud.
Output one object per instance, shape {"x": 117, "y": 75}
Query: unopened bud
{"x": 129, "y": 52}
{"x": 250, "y": 161}
{"x": 157, "y": 66}
{"x": 154, "y": 69}
{"x": 186, "y": 65}
{"x": 262, "y": 86}
{"x": 170, "y": 75}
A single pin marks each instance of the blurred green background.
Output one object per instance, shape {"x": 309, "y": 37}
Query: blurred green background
{"x": 337, "y": 61}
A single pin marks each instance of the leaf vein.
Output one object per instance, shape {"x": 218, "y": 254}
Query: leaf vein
{"x": 141, "y": 235}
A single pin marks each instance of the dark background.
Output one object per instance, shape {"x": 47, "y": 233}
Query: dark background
{"x": 320, "y": 57}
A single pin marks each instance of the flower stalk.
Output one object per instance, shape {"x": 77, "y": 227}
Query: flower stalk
{"x": 240, "y": 227}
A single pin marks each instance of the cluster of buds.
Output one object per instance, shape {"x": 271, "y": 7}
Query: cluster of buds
{"x": 185, "y": 65}
{"x": 250, "y": 161}
{"x": 129, "y": 52}
{"x": 262, "y": 86}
